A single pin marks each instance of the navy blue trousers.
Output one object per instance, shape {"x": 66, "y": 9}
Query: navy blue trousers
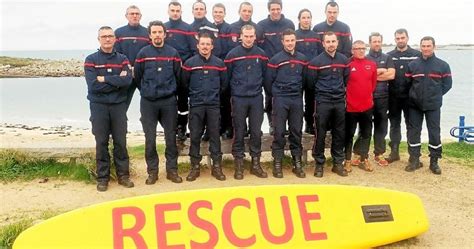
{"x": 165, "y": 112}
{"x": 106, "y": 120}
{"x": 287, "y": 109}
{"x": 209, "y": 117}
{"x": 251, "y": 108}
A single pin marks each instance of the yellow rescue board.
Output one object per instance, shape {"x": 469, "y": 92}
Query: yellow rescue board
{"x": 281, "y": 216}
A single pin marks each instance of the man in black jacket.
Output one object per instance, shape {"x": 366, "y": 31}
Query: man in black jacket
{"x": 205, "y": 76}
{"x": 398, "y": 88}
{"x": 429, "y": 78}
{"x": 157, "y": 69}
{"x": 108, "y": 76}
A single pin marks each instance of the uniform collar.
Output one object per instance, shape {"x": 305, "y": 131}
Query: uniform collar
{"x": 375, "y": 54}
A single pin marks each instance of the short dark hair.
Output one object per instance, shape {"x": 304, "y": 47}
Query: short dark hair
{"x": 205, "y": 34}
{"x": 303, "y": 11}
{"x": 401, "y": 31}
{"x": 287, "y": 32}
{"x": 329, "y": 33}
{"x": 200, "y": 1}
{"x": 428, "y": 38}
{"x": 332, "y": 4}
{"x": 244, "y": 3}
{"x": 156, "y": 23}
{"x": 270, "y": 2}
{"x": 219, "y": 5}
{"x": 174, "y": 3}
{"x": 375, "y": 34}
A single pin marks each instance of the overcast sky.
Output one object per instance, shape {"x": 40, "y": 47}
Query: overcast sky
{"x": 50, "y": 25}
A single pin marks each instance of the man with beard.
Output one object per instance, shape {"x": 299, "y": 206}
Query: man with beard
{"x": 398, "y": 88}
{"x": 157, "y": 70}
{"x": 205, "y": 76}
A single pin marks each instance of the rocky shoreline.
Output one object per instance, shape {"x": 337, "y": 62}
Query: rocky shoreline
{"x": 43, "y": 68}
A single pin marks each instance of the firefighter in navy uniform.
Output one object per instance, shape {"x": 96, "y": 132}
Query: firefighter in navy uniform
{"x": 180, "y": 36}
{"x": 272, "y": 28}
{"x": 398, "y": 88}
{"x": 130, "y": 39}
{"x": 246, "y": 65}
{"x": 157, "y": 69}
{"x": 327, "y": 75}
{"x": 429, "y": 79}
{"x": 245, "y": 13}
{"x": 225, "y": 40}
{"x": 341, "y": 29}
{"x": 309, "y": 44}
{"x": 385, "y": 73}
{"x": 284, "y": 81}
{"x": 108, "y": 76}
{"x": 205, "y": 76}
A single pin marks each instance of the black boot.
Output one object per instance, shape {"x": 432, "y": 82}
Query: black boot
{"x": 181, "y": 133}
{"x": 277, "y": 170}
{"x": 239, "y": 168}
{"x": 151, "y": 179}
{"x": 318, "y": 170}
{"x": 394, "y": 154}
{"x": 126, "y": 182}
{"x": 173, "y": 176}
{"x": 413, "y": 164}
{"x": 195, "y": 170}
{"x": 216, "y": 170}
{"x": 309, "y": 129}
{"x": 434, "y": 167}
{"x": 298, "y": 167}
{"x": 339, "y": 169}
{"x": 256, "y": 169}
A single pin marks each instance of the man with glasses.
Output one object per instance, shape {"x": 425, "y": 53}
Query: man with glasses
{"x": 130, "y": 39}
{"x": 360, "y": 86}
{"x": 108, "y": 76}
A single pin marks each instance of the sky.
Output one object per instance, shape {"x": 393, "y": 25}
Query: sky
{"x": 68, "y": 24}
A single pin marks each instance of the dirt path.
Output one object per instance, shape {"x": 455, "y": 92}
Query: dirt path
{"x": 448, "y": 198}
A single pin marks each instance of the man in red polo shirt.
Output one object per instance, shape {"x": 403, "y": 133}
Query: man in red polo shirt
{"x": 360, "y": 87}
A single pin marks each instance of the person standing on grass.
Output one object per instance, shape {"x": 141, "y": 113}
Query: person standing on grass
{"x": 205, "y": 76}
{"x": 429, "y": 79}
{"x": 157, "y": 69}
{"x": 108, "y": 75}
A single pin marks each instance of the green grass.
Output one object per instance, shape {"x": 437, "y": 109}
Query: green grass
{"x": 15, "y": 165}
{"x": 10, "y": 232}
{"x": 17, "y": 62}
{"x": 138, "y": 152}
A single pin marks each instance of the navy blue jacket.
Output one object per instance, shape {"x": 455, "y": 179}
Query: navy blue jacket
{"x": 246, "y": 67}
{"x": 157, "y": 71}
{"x": 285, "y": 74}
{"x": 399, "y": 87}
{"x": 328, "y": 76}
{"x": 205, "y": 79}
{"x": 343, "y": 33}
{"x": 429, "y": 80}
{"x": 383, "y": 61}
{"x": 308, "y": 43}
{"x": 235, "y": 32}
{"x": 109, "y": 65}
{"x": 203, "y": 25}
{"x": 225, "y": 39}
{"x": 130, "y": 39}
{"x": 272, "y": 34}
{"x": 180, "y": 36}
